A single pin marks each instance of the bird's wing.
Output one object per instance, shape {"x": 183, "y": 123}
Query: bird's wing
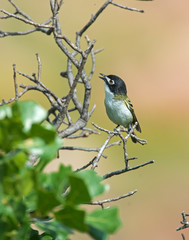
{"x": 130, "y": 107}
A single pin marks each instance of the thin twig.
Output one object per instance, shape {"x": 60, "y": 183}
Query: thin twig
{"x": 41, "y": 87}
{"x": 73, "y": 46}
{"x": 25, "y": 20}
{"x": 47, "y": 31}
{"x": 183, "y": 237}
{"x": 84, "y": 116}
{"x": 70, "y": 78}
{"x": 19, "y": 11}
{"x": 92, "y": 20}
{"x": 85, "y": 133}
{"x": 39, "y": 67}
{"x": 95, "y": 163}
{"x": 104, "y": 130}
{"x": 93, "y": 59}
{"x": 124, "y": 140}
{"x": 184, "y": 222}
{"x": 74, "y": 148}
{"x": 81, "y": 149}
{"x": 15, "y": 82}
{"x": 86, "y": 166}
{"x": 98, "y": 51}
{"x": 102, "y": 202}
{"x": 92, "y": 110}
{"x": 127, "y": 8}
{"x": 6, "y": 34}
{"x": 111, "y": 174}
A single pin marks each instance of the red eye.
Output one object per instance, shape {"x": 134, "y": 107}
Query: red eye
{"x": 111, "y": 82}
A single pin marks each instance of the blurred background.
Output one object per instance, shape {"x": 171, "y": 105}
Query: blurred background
{"x": 150, "y": 51}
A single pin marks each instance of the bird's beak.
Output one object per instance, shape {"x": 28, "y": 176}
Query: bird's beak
{"x": 103, "y": 76}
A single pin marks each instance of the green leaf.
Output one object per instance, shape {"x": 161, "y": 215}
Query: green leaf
{"x": 72, "y": 218}
{"x": 56, "y": 181}
{"x": 97, "y": 234}
{"x": 5, "y": 112}
{"x": 106, "y": 219}
{"x": 93, "y": 182}
{"x": 23, "y": 130}
{"x": 4, "y": 226}
{"x": 15, "y": 219}
{"x": 34, "y": 235}
{"x": 47, "y": 200}
{"x": 29, "y": 113}
{"x": 79, "y": 192}
{"x": 20, "y": 184}
{"x": 47, "y": 237}
{"x": 11, "y": 164}
{"x": 46, "y": 145}
{"x": 11, "y": 132}
{"x": 54, "y": 229}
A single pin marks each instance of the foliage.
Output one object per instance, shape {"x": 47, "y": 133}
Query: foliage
{"x": 37, "y": 205}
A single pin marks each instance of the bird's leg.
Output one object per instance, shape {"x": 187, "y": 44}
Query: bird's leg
{"x": 129, "y": 128}
{"x": 132, "y": 137}
{"x": 115, "y": 129}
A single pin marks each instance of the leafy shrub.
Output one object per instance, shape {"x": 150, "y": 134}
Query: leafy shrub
{"x": 36, "y": 205}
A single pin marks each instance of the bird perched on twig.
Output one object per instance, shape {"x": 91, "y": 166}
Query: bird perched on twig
{"x": 118, "y": 106}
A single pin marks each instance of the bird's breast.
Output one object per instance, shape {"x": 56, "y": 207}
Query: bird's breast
{"x": 117, "y": 111}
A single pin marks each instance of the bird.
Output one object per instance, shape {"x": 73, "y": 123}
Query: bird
{"x": 118, "y": 106}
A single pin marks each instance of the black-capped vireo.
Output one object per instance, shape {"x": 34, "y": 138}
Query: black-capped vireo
{"x": 118, "y": 106}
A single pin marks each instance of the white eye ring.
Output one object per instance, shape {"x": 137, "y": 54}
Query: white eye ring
{"x": 111, "y": 82}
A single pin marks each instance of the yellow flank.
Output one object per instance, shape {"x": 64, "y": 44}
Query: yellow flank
{"x": 126, "y": 101}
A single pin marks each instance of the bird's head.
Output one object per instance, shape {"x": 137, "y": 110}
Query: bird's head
{"x": 115, "y": 84}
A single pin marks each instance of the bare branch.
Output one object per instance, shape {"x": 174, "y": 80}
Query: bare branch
{"x": 92, "y": 110}
{"x": 77, "y": 49}
{"x": 18, "y": 11}
{"x": 84, "y": 116}
{"x": 15, "y": 82}
{"x": 95, "y": 163}
{"x": 104, "y": 130}
{"x": 86, "y": 166}
{"x": 47, "y": 31}
{"x": 183, "y": 237}
{"x": 108, "y": 175}
{"x": 124, "y": 140}
{"x": 81, "y": 149}
{"x": 117, "y": 132}
{"x": 93, "y": 59}
{"x": 127, "y": 8}
{"x": 40, "y": 87}
{"x": 91, "y": 21}
{"x": 6, "y": 34}
{"x": 184, "y": 222}
{"x": 84, "y": 133}
{"x": 39, "y": 67}
{"x": 70, "y": 77}
{"x": 13, "y": 99}
{"x": 98, "y": 51}
{"x": 36, "y": 88}
{"x": 102, "y": 202}
{"x": 95, "y": 16}
{"x": 25, "y": 20}
{"x": 90, "y": 149}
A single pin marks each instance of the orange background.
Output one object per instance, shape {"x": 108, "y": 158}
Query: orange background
{"x": 150, "y": 51}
